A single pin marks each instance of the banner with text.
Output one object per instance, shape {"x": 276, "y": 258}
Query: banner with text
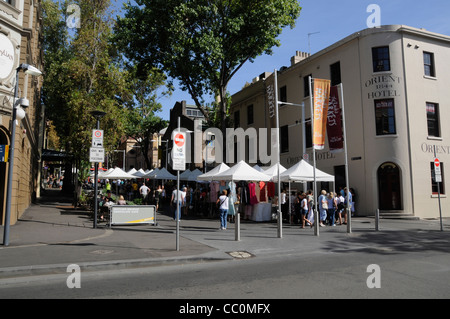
{"x": 334, "y": 123}
{"x": 321, "y": 100}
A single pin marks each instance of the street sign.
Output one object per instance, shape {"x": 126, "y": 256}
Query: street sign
{"x": 437, "y": 171}
{"x": 97, "y": 138}
{"x": 4, "y": 152}
{"x": 179, "y": 151}
{"x": 96, "y": 155}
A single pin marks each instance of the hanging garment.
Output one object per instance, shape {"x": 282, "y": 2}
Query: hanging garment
{"x": 213, "y": 191}
{"x": 262, "y": 192}
{"x": 271, "y": 189}
{"x": 253, "y": 199}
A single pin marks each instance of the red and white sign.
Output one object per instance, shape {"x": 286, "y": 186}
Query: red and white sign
{"x": 179, "y": 151}
{"x": 437, "y": 163}
{"x": 179, "y": 140}
{"x": 97, "y": 138}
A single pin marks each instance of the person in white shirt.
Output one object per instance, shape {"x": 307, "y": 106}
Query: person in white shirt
{"x": 222, "y": 201}
{"x": 144, "y": 192}
{"x": 173, "y": 200}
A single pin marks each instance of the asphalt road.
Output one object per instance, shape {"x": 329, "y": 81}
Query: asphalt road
{"x": 334, "y": 274}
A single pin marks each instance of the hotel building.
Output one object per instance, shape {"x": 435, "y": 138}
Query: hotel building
{"x": 396, "y": 84}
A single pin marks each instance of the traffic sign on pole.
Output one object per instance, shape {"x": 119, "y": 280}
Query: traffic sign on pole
{"x": 179, "y": 151}
{"x": 96, "y": 155}
{"x": 97, "y": 138}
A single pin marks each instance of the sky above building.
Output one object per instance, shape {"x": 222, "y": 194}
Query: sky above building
{"x": 324, "y": 22}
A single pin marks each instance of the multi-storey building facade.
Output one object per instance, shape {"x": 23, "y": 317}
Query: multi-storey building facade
{"x": 396, "y": 82}
{"x": 20, "y": 43}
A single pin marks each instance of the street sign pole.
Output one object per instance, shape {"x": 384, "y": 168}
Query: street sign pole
{"x": 178, "y": 200}
{"x": 437, "y": 167}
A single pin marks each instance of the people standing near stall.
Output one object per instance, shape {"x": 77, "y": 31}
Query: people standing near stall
{"x": 222, "y": 203}
{"x": 332, "y": 208}
{"x": 323, "y": 207}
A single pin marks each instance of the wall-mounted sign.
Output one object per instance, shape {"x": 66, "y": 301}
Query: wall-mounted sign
{"x": 6, "y": 56}
{"x": 383, "y": 86}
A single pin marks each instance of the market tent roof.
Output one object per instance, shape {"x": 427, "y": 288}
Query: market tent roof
{"x": 185, "y": 175}
{"x": 139, "y": 174}
{"x": 241, "y": 172}
{"x": 273, "y": 170}
{"x": 194, "y": 174}
{"x": 258, "y": 168}
{"x": 117, "y": 173}
{"x": 216, "y": 170}
{"x": 162, "y": 174}
{"x": 101, "y": 174}
{"x": 132, "y": 171}
{"x": 304, "y": 172}
{"x": 151, "y": 173}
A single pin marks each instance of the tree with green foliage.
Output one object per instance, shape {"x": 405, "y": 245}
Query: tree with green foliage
{"x": 148, "y": 84}
{"x": 203, "y": 43}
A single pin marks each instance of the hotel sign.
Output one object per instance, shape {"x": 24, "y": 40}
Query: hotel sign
{"x": 383, "y": 86}
{"x": 6, "y": 56}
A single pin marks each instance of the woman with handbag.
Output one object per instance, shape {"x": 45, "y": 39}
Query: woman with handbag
{"x": 222, "y": 203}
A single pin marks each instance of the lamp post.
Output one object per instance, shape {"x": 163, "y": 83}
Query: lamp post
{"x": 28, "y": 69}
{"x": 98, "y": 115}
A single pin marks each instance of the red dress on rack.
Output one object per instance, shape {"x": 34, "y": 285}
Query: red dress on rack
{"x": 253, "y": 199}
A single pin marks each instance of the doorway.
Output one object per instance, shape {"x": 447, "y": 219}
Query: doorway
{"x": 389, "y": 187}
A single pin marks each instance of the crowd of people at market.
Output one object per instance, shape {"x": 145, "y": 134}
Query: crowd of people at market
{"x": 224, "y": 200}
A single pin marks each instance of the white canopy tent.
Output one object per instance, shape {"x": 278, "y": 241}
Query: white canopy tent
{"x": 273, "y": 170}
{"x": 132, "y": 171}
{"x": 117, "y": 173}
{"x": 240, "y": 172}
{"x": 216, "y": 170}
{"x": 304, "y": 172}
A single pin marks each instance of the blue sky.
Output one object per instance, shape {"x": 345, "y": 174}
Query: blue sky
{"x": 334, "y": 20}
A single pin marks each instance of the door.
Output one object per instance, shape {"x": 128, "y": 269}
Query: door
{"x": 389, "y": 187}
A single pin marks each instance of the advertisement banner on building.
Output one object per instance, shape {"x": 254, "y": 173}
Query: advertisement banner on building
{"x": 321, "y": 100}
{"x": 334, "y": 123}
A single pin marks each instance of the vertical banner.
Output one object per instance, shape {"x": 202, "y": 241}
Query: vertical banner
{"x": 334, "y": 123}
{"x": 321, "y": 100}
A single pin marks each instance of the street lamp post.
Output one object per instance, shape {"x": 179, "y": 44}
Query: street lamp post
{"x": 28, "y": 69}
{"x": 98, "y": 115}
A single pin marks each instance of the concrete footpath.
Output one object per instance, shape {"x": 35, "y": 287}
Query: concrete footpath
{"x": 52, "y": 235}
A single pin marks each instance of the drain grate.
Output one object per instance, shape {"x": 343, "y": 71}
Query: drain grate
{"x": 240, "y": 254}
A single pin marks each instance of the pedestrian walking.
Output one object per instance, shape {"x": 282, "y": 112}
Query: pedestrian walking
{"x": 144, "y": 190}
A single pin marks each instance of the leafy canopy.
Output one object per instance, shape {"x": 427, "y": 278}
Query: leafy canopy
{"x": 203, "y": 43}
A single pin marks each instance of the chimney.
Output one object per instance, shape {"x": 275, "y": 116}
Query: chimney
{"x": 299, "y": 56}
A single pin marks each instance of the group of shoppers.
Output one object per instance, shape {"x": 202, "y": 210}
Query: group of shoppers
{"x": 331, "y": 208}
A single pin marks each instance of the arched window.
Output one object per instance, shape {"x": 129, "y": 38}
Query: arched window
{"x": 389, "y": 187}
